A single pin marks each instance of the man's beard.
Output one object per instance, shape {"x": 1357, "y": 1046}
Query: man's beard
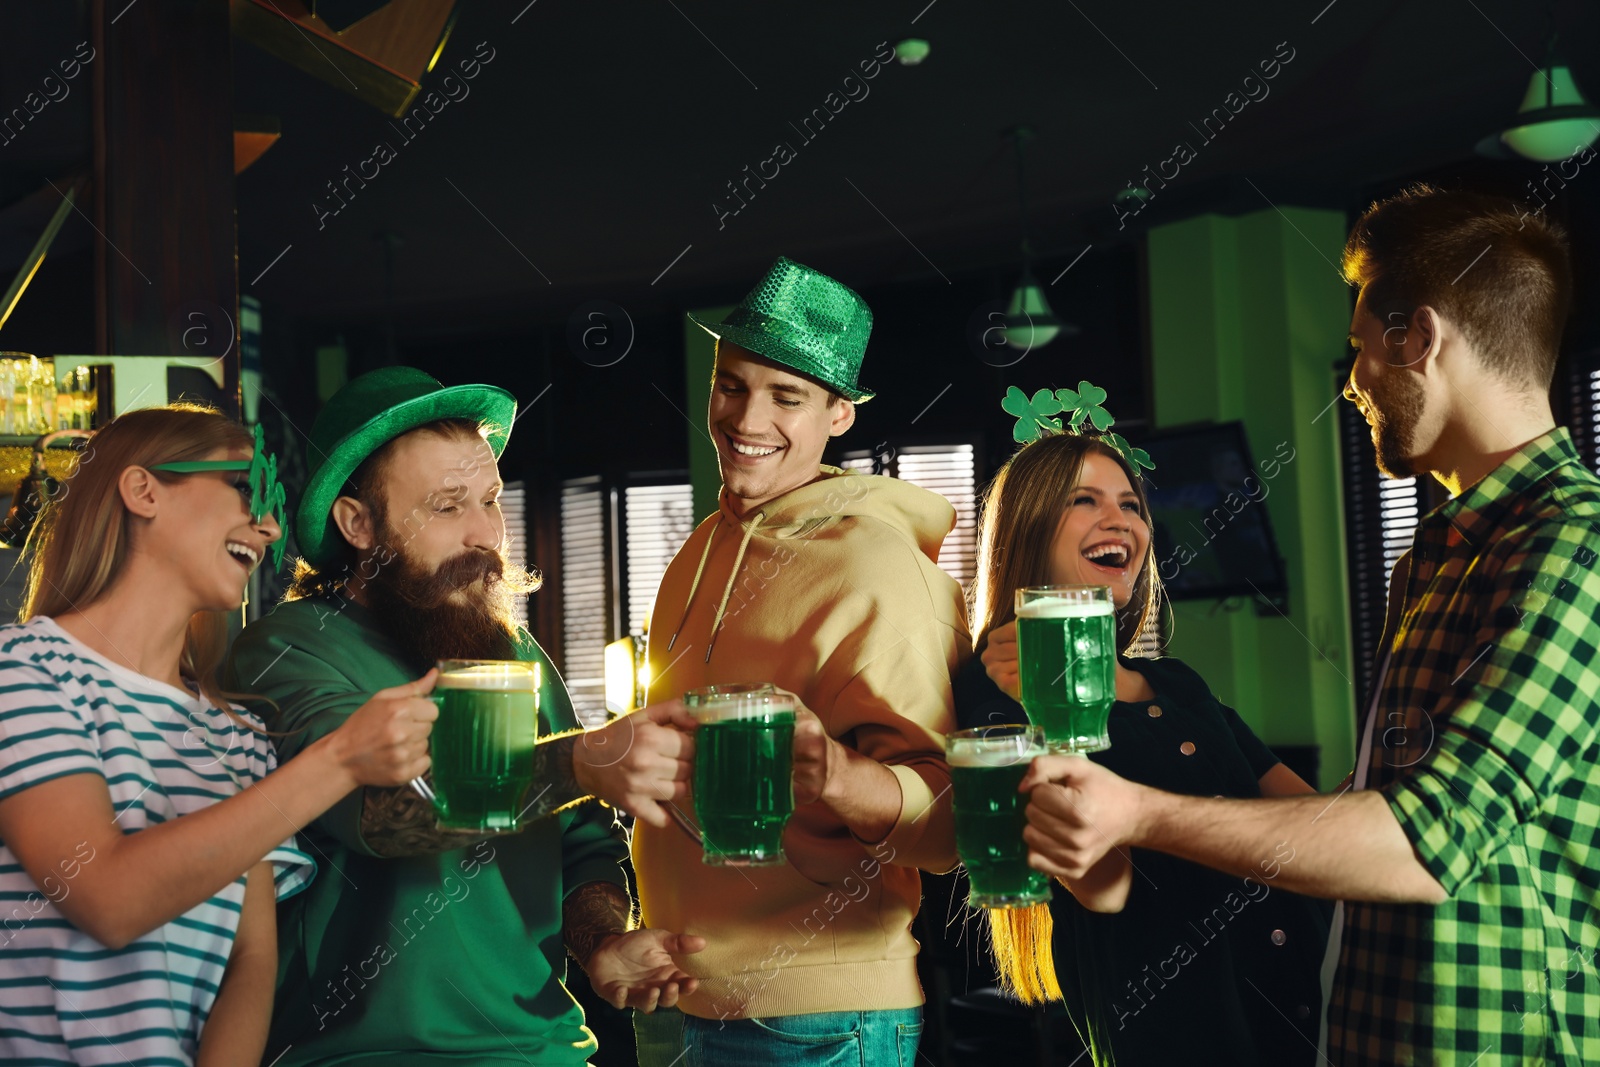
{"x": 1396, "y": 408}
{"x": 463, "y": 609}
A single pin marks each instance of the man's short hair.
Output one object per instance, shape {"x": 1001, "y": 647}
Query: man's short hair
{"x": 1501, "y": 275}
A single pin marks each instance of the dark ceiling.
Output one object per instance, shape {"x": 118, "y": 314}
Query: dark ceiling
{"x": 591, "y": 150}
{"x": 585, "y": 158}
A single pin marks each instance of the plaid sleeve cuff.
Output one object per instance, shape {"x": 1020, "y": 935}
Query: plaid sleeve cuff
{"x": 1459, "y": 808}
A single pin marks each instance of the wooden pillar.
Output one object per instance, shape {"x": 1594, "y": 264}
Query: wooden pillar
{"x": 166, "y": 263}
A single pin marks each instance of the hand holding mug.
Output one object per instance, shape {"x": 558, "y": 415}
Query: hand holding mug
{"x": 641, "y": 762}
{"x": 385, "y": 741}
{"x": 816, "y": 754}
{"x": 1000, "y": 659}
{"x": 1079, "y": 811}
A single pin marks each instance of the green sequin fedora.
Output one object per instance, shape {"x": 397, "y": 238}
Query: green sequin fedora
{"x": 364, "y": 415}
{"x": 804, "y": 320}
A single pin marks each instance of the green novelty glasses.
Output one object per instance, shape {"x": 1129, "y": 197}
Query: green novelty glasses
{"x": 266, "y": 492}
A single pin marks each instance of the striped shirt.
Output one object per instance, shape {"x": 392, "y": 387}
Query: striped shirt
{"x": 1486, "y": 744}
{"x": 163, "y": 752}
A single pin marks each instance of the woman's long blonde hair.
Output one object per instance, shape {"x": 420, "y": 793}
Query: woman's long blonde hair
{"x": 80, "y": 544}
{"x": 1022, "y": 510}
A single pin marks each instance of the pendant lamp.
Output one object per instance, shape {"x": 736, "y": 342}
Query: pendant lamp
{"x": 1030, "y": 323}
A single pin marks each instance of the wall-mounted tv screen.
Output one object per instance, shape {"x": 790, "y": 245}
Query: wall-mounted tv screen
{"x": 1208, "y": 496}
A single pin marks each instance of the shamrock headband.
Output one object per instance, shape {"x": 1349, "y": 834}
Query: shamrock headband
{"x": 266, "y": 492}
{"x": 1034, "y": 416}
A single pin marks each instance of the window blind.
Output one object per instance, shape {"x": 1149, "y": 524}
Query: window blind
{"x": 1583, "y": 399}
{"x": 585, "y": 601}
{"x": 1381, "y": 517}
{"x": 949, "y": 470}
{"x": 1152, "y": 640}
{"x": 657, "y": 519}
{"x": 514, "y": 509}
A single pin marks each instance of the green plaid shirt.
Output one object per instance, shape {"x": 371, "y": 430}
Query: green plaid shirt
{"x": 1487, "y": 745}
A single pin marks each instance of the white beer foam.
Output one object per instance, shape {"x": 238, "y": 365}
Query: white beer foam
{"x": 490, "y": 678}
{"x": 995, "y": 753}
{"x": 741, "y": 706}
{"x": 1060, "y": 608}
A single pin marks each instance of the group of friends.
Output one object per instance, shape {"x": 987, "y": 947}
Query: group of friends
{"x": 215, "y": 855}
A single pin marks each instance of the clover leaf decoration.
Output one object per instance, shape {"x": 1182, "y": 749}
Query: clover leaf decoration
{"x": 1136, "y": 457}
{"x": 1033, "y": 414}
{"x": 276, "y": 505}
{"x": 1084, "y": 403}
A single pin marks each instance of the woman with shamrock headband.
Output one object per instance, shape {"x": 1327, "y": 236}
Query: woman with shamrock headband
{"x": 1157, "y": 960}
{"x": 144, "y": 833}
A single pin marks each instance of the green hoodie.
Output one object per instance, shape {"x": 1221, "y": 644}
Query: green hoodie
{"x": 832, "y": 591}
{"x": 437, "y": 958}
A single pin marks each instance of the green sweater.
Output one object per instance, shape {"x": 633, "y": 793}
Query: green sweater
{"x": 449, "y": 957}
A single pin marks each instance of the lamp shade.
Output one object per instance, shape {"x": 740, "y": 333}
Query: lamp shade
{"x": 1554, "y": 122}
{"x": 1029, "y": 321}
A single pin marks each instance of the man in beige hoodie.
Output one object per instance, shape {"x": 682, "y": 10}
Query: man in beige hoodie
{"x": 824, "y": 583}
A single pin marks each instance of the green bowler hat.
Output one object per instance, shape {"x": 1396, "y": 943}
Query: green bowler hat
{"x": 369, "y": 412}
{"x": 804, "y": 320}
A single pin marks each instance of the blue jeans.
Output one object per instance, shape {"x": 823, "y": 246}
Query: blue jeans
{"x": 824, "y": 1039}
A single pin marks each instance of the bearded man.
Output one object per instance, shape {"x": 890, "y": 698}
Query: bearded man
{"x": 418, "y": 944}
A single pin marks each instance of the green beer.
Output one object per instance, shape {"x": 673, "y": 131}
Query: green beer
{"x": 1066, "y": 652}
{"x": 482, "y": 743}
{"x": 986, "y": 766}
{"x": 743, "y": 766}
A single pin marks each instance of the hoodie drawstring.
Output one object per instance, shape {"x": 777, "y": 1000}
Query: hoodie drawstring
{"x": 694, "y": 585}
{"x": 733, "y": 576}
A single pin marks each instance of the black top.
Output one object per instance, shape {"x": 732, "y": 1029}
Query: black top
{"x": 1200, "y": 967}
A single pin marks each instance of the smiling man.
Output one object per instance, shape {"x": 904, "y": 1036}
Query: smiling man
{"x": 824, "y": 583}
{"x": 1465, "y": 847}
{"x": 421, "y": 945}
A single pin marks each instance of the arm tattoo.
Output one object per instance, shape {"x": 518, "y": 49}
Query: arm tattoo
{"x": 397, "y": 822}
{"x": 593, "y": 912}
{"x": 555, "y": 783}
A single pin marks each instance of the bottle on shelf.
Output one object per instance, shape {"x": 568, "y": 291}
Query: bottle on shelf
{"x": 65, "y": 404}
{"x": 100, "y": 403}
{"x": 42, "y": 382}
{"x": 7, "y": 384}
{"x": 22, "y": 395}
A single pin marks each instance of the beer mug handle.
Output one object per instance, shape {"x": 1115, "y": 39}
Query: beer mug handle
{"x": 685, "y": 825}
{"x": 420, "y": 785}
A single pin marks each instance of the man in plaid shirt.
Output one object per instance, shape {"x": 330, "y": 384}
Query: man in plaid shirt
{"x": 1467, "y": 847}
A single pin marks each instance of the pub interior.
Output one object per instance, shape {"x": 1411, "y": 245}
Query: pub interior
{"x": 250, "y": 204}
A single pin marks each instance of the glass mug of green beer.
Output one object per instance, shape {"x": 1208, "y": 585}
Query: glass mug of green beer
{"x": 1066, "y": 662}
{"x": 482, "y": 743}
{"x": 986, "y": 766}
{"x": 743, "y": 767}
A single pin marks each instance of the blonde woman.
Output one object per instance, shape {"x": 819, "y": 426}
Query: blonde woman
{"x": 1158, "y": 960}
{"x": 144, "y": 833}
